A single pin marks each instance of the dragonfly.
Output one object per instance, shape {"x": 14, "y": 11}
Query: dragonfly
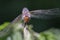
{"x": 27, "y": 15}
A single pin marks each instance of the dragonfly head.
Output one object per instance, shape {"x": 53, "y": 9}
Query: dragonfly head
{"x": 25, "y": 13}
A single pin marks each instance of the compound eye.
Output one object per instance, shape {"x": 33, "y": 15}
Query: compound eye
{"x": 25, "y": 11}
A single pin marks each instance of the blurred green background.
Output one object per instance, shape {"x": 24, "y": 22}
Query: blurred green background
{"x": 10, "y": 9}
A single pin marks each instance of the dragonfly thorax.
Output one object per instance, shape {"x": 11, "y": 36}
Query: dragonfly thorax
{"x": 26, "y": 19}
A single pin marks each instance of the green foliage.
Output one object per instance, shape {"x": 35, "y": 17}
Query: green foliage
{"x": 3, "y": 25}
{"x": 51, "y": 34}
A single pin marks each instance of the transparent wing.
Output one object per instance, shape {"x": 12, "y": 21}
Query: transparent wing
{"x": 18, "y": 18}
{"x": 8, "y": 30}
{"x": 50, "y": 13}
{"x": 40, "y": 14}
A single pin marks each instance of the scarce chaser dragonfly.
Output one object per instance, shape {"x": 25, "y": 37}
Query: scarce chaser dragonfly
{"x": 27, "y": 15}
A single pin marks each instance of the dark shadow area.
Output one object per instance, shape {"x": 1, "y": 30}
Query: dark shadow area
{"x": 40, "y": 25}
